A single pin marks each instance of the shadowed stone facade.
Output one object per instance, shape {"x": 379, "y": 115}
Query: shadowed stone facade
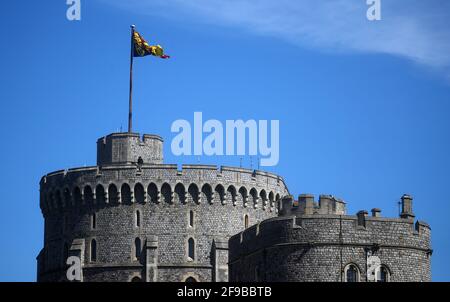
{"x": 132, "y": 217}
{"x": 312, "y": 241}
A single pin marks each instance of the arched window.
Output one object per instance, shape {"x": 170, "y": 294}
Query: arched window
{"x": 232, "y": 194}
{"x": 93, "y": 250}
{"x": 246, "y": 221}
{"x": 77, "y": 196}
{"x": 190, "y": 279}
{"x": 137, "y": 248}
{"x": 351, "y": 273}
{"x": 100, "y": 194}
{"x": 254, "y": 196}
{"x": 125, "y": 192}
{"x": 263, "y": 197}
{"x": 191, "y": 249}
{"x": 166, "y": 193}
{"x": 88, "y": 195}
{"x": 139, "y": 193}
{"x": 152, "y": 192}
{"x": 112, "y": 194}
{"x": 93, "y": 221}
{"x": 136, "y": 279}
{"x": 193, "y": 193}
{"x": 383, "y": 274}
{"x": 220, "y": 192}
{"x": 138, "y": 218}
{"x": 271, "y": 200}
{"x": 278, "y": 202}
{"x": 243, "y": 196}
{"x": 207, "y": 193}
{"x": 191, "y": 219}
{"x": 180, "y": 193}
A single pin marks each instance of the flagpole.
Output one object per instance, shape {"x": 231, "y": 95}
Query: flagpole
{"x": 130, "y": 103}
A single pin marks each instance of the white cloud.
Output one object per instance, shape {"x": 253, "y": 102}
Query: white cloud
{"x": 418, "y": 30}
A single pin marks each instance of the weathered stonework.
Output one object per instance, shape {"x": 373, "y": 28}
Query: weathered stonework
{"x": 317, "y": 242}
{"x": 134, "y": 218}
{"x": 100, "y": 204}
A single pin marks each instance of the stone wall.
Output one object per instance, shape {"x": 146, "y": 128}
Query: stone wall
{"x": 125, "y": 148}
{"x": 164, "y": 196}
{"x": 133, "y": 218}
{"x": 319, "y": 247}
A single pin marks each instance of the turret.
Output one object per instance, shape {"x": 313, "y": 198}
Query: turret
{"x": 129, "y": 148}
{"x": 327, "y": 205}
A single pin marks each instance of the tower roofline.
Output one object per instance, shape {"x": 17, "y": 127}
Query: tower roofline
{"x": 133, "y": 134}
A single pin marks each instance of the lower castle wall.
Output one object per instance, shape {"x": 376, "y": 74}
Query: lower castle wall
{"x": 310, "y": 249}
{"x": 323, "y": 264}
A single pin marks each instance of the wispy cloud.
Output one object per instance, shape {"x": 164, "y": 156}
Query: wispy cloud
{"x": 418, "y": 30}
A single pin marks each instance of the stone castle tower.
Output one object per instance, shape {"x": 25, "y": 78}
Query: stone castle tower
{"x": 312, "y": 241}
{"x": 134, "y": 218}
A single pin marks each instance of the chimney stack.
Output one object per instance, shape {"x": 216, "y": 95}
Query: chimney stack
{"x": 407, "y": 212}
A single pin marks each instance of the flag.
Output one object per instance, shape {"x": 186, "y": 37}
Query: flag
{"x": 142, "y": 48}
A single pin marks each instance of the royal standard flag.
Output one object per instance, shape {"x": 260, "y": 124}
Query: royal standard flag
{"x": 142, "y": 48}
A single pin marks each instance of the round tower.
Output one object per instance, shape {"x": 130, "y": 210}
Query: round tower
{"x": 134, "y": 218}
{"x": 320, "y": 242}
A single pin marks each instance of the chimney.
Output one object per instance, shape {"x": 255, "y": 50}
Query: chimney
{"x": 376, "y": 212}
{"x": 407, "y": 212}
{"x": 362, "y": 218}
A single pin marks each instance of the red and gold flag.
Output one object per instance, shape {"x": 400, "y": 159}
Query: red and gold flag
{"x": 142, "y": 48}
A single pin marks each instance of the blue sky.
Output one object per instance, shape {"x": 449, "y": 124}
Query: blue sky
{"x": 363, "y": 106}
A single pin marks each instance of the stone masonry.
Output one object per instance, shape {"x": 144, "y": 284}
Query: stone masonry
{"x": 134, "y": 218}
{"x": 312, "y": 241}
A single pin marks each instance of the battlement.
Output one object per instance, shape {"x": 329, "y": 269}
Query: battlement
{"x": 127, "y": 148}
{"x": 319, "y": 228}
{"x": 309, "y": 223}
{"x": 330, "y": 205}
{"x": 161, "y": 183}
{"x": 305, "y": 205}
{"x": 300, "y": 244}
{"x": 221, "y": 171}
{"x": 184, "y": 216}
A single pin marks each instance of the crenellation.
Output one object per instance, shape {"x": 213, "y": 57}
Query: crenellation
{"x": 164, "y": 195}
{"x": 90, "y": 181}
{"x": 210, "y": 223}
{"x": 315, "y": 239}
{"x": 129, "y": 148}
{"x": 305, "y": 205}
